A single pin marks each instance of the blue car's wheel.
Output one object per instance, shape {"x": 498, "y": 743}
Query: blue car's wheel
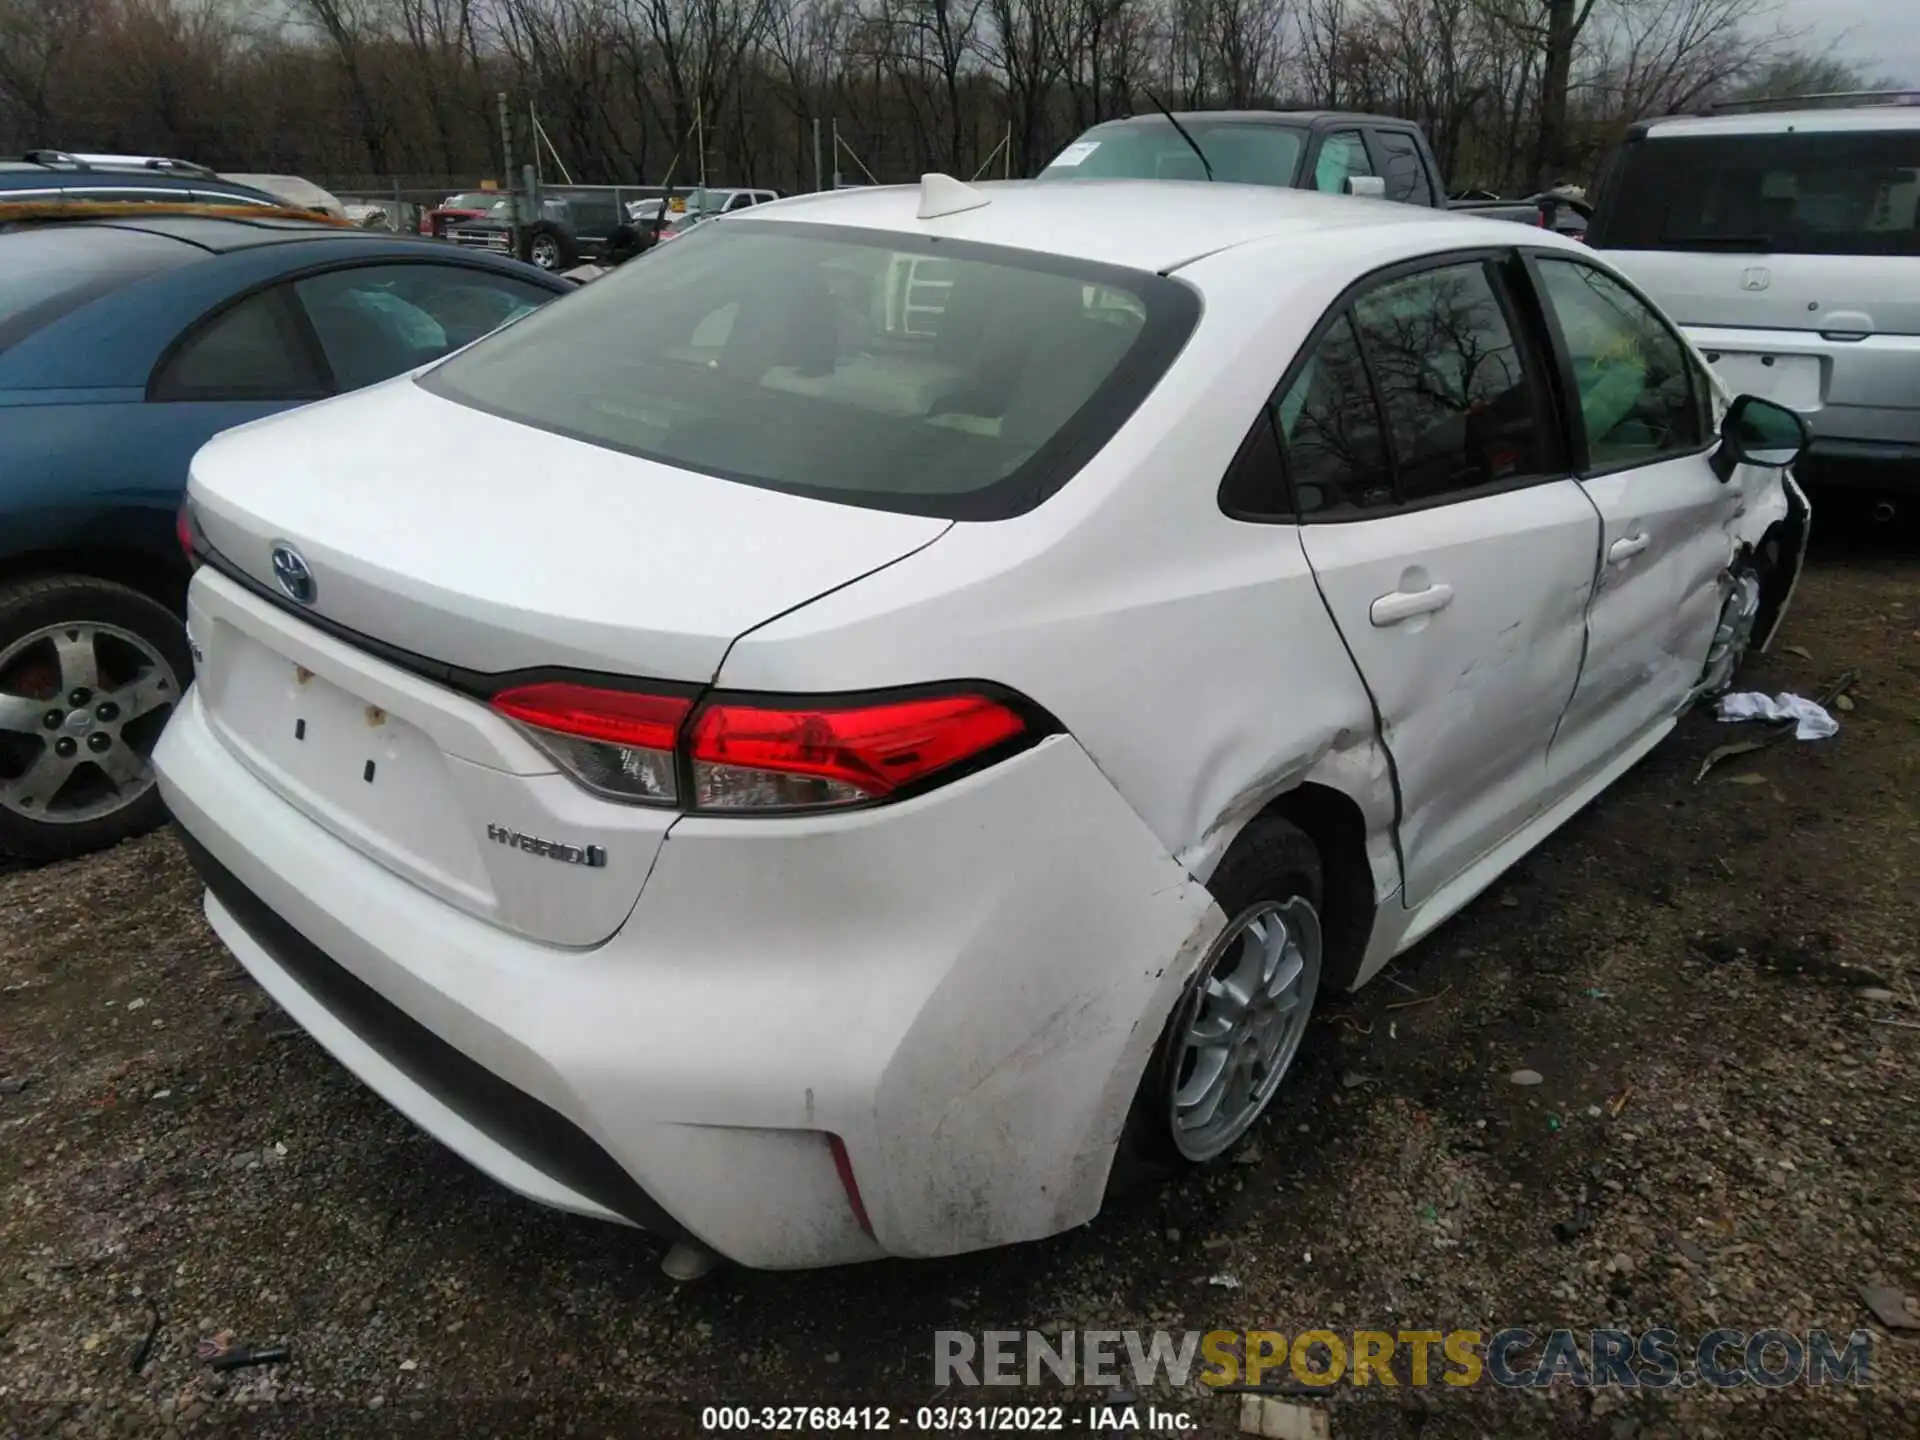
{"x": 89, "y": 673}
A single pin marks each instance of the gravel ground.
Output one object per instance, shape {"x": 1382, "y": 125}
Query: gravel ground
{"x": 1716, "y": 985}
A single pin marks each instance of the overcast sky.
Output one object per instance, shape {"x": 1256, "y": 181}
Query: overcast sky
{"x": 1882, "y": 34}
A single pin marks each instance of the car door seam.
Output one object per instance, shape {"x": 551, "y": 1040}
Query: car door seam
{"x": 1379, "y": 721}
{"x": 1586, "y": 613}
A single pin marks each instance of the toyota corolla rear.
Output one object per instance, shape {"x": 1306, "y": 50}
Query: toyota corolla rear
{"x": 807, "y": 977}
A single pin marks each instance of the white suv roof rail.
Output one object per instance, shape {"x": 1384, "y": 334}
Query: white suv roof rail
{"x": 79, "y": 160}
{"x": 1830, "y": 100}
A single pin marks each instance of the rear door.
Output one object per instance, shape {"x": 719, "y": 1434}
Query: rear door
{"x": 1643, "y": 435}
{"x": 1452, "y": 549}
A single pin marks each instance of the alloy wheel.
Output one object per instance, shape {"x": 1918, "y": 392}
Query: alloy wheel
{"x": 81, "y": 707}
{"x": 545, "y": 252}
{"x": 1734, "y": 633}
{"x": 1241, "y": 1023}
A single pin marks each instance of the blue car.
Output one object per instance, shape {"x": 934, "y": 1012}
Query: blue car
{"x": 126, "y": 342}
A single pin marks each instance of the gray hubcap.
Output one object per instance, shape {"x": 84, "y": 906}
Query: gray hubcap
{"x": 545, "y": 253}
{"x": 1240, "y": 1024}
{"x": 1733, "y": 634}
{"x": 81, "y": 706}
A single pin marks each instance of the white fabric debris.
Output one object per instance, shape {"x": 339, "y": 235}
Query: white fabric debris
{"x": 1811, "y": 721}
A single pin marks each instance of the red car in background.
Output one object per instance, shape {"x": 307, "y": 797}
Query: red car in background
{"x": 468, "y": 205}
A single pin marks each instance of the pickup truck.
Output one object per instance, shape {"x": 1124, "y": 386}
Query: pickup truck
{"x": 1327, "y": 150}
{"x": 574, "y": 225}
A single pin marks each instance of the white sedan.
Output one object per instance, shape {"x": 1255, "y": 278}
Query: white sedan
{"x": 932, "y": 685}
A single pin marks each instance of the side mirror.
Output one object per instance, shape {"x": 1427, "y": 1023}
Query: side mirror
{"x": 1370, "y": 187}
{"x": 1758, "y": 432}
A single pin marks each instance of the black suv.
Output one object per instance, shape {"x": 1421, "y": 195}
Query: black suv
{"x": 574, "y": 226}
{"x": 55, "y": 175}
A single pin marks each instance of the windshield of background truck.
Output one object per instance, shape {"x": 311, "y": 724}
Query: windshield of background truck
{"x": 1246, "y": 154}
{"x": 1817, "y": 193}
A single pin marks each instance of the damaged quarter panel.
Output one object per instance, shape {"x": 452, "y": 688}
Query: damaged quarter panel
{"x": 1189, "y": 653}
{"x": 976, "y": 1014}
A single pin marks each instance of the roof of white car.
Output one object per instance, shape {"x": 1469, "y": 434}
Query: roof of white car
{"x": 1781, "y": 122}
{"x": 1143, "y": 224}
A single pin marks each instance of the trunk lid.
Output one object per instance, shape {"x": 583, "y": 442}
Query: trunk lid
{"x": 542, "y": 551}
{"x": 546, "y": 553}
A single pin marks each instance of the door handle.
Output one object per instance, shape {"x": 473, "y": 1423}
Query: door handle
{"x": 1404, "y": 605}
{"x": 1626, "y": 549}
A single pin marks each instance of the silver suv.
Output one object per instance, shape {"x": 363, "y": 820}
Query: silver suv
{"x": 1787, "y": 242}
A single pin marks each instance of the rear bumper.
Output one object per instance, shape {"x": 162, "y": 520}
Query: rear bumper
{"x": 1860, "y": 398}
{"x": 963, "y": 988}
{"x": 1868, "y": 464}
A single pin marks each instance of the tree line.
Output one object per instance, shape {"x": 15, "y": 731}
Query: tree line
{"x": 1514, "y": 94}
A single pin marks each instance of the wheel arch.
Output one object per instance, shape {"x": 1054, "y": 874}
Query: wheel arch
{"x": 1337, "y": 825}
{"x": 158, "y": 579}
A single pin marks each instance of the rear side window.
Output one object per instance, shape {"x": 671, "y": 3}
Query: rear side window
{"x": 1404, "y": 170}
{"x": 1153, "y": 150}
{"x": 48, "y": 270}
{"x": 927, "y": 376}
{"x": 375, "y": 321}
{"x": 1336, "y": 453}
{"x": 1461, "y": 407}
{"x": 1809, "y": 193}
{"x": 255, "y": 350}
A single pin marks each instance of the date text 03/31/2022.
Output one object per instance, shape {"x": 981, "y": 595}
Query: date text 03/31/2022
{"x": 947, "y": 1419}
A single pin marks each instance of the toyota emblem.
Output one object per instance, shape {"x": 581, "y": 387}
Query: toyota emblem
{"x": 292, "y": 574}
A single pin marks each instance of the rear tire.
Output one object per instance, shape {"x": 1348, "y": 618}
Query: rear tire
{"x": 89, "y": 673}
{"x": 1270, "y": 886}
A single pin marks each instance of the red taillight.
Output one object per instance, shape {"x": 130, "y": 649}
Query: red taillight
{"x": 843, "y": 1167}
{"x": 756, "y": 757}
{"x": 753, "y": 756}
{"x": 619, "y": 742}
{"x": 187, "y": 532}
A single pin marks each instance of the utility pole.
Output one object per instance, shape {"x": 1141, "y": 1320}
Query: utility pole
{"x": 700, "y": 134}
{"x": 506, "y": 162}
{"x": 818, "y": 178}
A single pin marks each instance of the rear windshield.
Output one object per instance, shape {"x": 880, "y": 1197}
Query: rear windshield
{"x": 47, "y": 270}
{"x": 901, "y": 373}
{"x": 1153, "y": 150}
{"x": 1820, "y": 193}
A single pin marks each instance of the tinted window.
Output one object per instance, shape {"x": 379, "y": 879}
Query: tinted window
{"x": 49, "y": 270}
{"x": 938, "y": 378}
{"x": 1256, "y": 486}
{"x": 1821, "y": 193}
{"x": 1342, "y": 154}
{"x": 1460, "y": 405}
{"x": 1636, "y": 387}
{"x": 1336, "y": 455}
{"x": 1405, "y": 171}
{"x": 376, "y": 321}
{"x": 255, "y": 350}
{"x": 1153, "y": 150}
